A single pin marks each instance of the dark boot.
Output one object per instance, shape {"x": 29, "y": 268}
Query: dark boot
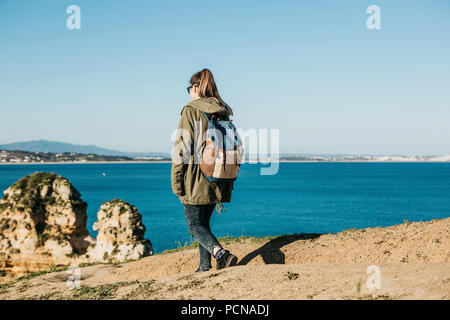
{"x": 226, "y": 260}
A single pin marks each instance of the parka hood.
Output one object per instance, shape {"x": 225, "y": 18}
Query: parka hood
{"x": 211, "y": 105}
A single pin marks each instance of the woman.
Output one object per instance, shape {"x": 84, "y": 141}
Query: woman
{"x": 197, "y": 193}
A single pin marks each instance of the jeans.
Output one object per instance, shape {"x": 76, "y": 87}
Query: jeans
{"x": 197, "y": 218}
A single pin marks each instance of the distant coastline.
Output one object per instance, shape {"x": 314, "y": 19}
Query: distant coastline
{"x": 83, "y": 162}
{"x": 54, "y": 152}
{"x": 259, "y": 162}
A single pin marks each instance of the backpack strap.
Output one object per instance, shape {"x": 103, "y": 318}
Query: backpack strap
{"x": 207, "y": 115}
{"x": 210, "y": 116}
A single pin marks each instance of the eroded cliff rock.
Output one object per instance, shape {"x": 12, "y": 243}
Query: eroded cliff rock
{"x": 120, "y": 233}
{"x": 43, "y": 223}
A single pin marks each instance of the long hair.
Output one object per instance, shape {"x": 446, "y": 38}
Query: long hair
{"x": 207, "y": 88}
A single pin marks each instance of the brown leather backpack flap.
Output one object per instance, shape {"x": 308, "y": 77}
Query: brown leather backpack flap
{"x": 208, "y": 162}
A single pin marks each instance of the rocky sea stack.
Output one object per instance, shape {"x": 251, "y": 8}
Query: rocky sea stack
{"x": 120, "y": 233}
{"x": 43, "y": 224}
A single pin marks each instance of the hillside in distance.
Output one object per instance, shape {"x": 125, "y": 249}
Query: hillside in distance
{"x": 62, "y": 147}
{"x": 57, "y": 147}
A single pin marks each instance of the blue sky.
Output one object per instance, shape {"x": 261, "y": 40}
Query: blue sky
{"x": 310, "y": 68}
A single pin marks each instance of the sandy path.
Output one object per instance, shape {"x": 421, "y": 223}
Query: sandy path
{"x": 413, "y": 260}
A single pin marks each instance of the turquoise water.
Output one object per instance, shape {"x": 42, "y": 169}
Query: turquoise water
{"x": 302, "y": 197}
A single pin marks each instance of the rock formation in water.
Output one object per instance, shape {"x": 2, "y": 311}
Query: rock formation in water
{"x": 120, "y": 233}
{"x": 43, "y": 223}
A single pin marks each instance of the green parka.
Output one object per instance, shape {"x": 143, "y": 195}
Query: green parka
{"x": 186, "y": 177}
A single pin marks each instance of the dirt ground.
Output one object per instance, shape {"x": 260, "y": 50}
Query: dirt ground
{"x": 407, "y": 261}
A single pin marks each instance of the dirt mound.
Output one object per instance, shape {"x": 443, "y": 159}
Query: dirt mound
{"x": 413, "y": 260}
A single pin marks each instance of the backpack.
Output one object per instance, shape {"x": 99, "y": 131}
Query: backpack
{"x": 222, "y": 155}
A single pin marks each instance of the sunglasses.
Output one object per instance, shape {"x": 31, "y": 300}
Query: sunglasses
{"x": 189, "y": 88}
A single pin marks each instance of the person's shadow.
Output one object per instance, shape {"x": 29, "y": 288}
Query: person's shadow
{"x": 271, "y": 253}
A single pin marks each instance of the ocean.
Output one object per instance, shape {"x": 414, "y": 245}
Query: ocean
{"x": 310, "y": 197}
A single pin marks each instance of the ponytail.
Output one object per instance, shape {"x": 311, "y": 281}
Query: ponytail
{"x": 207, "y": 88}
